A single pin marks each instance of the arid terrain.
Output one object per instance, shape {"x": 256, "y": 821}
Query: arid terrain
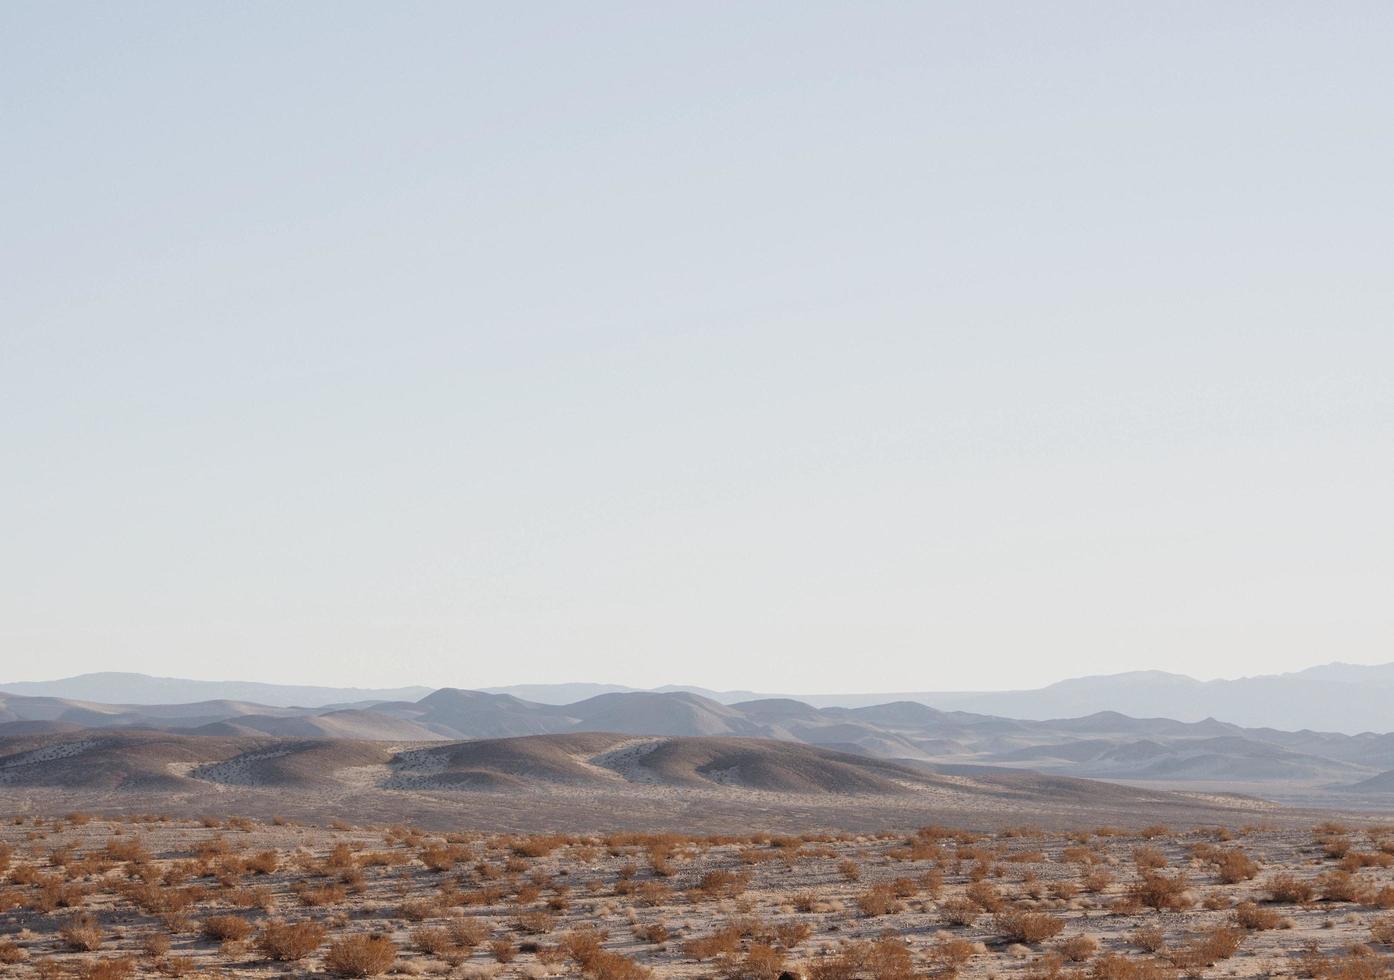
{"x": 585, "y": 782}
{"x": 88, "y": 897}
{"x": 1325, "y": 770}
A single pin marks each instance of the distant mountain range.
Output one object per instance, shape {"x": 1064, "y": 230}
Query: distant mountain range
{"x": 1208, "y": 755}
{"x": 1335, "y": 697}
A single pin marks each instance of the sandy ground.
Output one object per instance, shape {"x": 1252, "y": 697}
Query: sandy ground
{"x": 788, "y": 903}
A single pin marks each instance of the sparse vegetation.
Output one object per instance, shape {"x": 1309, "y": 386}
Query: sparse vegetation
{"x": 178, "y": 899}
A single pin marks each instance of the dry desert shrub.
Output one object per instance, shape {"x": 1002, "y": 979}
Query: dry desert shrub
{"x": 652, "y": 932}
{"x": 719, "y": 883}
{"x": 1220, "y": 943}
{"x": 1028, "y": 927}
{"x": 1342, "y": 886}
{"x": 723, "y": 941}
{"x": 761, "y": 962}
{"x": 947, "y": 956}
{"x": 1148, "y": 858}
{"x": 1165, "y": 893}
{"x": 1289, "y": 889}
{"x": 155, "y": 944}
{"x": 985, "y": 895}
{"x": 120, "y": 968}
{"x": 503, "y": 950}
{"x": 1116, "y": 967}
{"x": 1098, "y": 880}
{"x": 226, "y": 927}
{"x": 879, "y": 900}
{"x": 1149, "y": 938}
{"x": 81, "y": 932}
{"x": 790, "y": 934}
{"x": 290, "y": 942}
{"x": 360, "y": 956}
{"x": 849, "y": 870}
{"x": 1077, "y": 949}
{"x": 11, "y": 952}
{"x": 1234, "y": 866}
{"x": 960, "y": 911}
{"x": 1247, "y": 915}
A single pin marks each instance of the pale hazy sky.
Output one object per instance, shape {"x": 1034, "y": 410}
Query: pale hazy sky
{"x": 796, "y": 347}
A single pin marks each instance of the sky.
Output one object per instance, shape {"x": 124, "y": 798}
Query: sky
{"x": 805, "y": 347}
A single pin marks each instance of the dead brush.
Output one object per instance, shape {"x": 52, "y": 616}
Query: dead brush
{"x": 226, "y": 927}
{"x": 878, "y": 900}
{"x": 719, "y": 883}
{"x": 1117, "y": 967}
{"x": 1342, "y": 886}
{"x": 1233, "y": 866}
{"x": 655, "y": 933}
{"x": 1077, "y": 949}
{"x": 1204, "y": 951}
{"x": 290, "y": 942}
{"x": 1165, "y": 893}
{"x": 985, "y": 895}
{"x": 1289, "y": 889}
{"x": 1148, "y": 858}
{"x": 790, "y": 934}
{"x": 12, "y": 952}
{"x": 760, "y": 962}
{"x": 81, "y": 932}
{"x": 947, "y": 956}
{"x": 360, "y": 956}
{"x": 1150, "y": 939}
{"x": 960, "y": 911}
{"x": 118, "y": 968}
{"x": 1028, "y": 927}
{"x": 1256, "y": 918}
{"x": 723, "y": 941}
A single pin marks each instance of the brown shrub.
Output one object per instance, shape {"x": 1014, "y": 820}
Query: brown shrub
{"x": 1148, "y": 858}
{"x": 653, "y": 932}
{"x": 605, "y": 965}
{"x": 960, "y": 911}
{"x": 503, "y": 950}
{"x": 948, "y": 955}
{"x": 114, "y": 969}
{"x": 723, "y": 941}
{"x": 1220, "y": 943}
{"x": 1149, "y": 938}
{"x": 1289, "y": 888}
{"x": 81, "y": 932}
{"x": 1342, "y": 886}
{"x": 1077, "y": 949}
{"x": 1250, "y": 916}
{"x": 985, "y": 895}
{"x": 790, "y": 934}
{"x": 290, "y": 942}
{"x": 1382, "y": 930}
{"x": 1028, "y": 927}
{"x": 11, "y": 952}
{"x": 225, "y": 927}
{"x": 1098, "y": 880}
{"x": 1116, "y": 967}
{"x": 1234, "y": 866}
{"x": 879, "y": 900}
{"x": 761, "y": 962}
{"x": 360, "y": 956}
{"x": 1161, "y": 892}
{"x": 263, "y": 863}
